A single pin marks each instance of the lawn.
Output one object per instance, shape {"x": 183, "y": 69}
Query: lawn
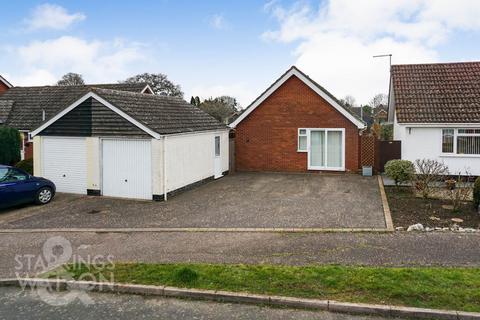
{"x": 408, "y": 209}
{"x": 442, "y": 288}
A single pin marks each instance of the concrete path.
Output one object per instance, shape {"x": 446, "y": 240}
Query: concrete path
{"x": 15, "y": 304}
{"x": 393, "y": 249}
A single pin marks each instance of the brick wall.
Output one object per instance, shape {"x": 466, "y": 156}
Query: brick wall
{"x": 3, "y": 87}
{"x": 266, "y": 140}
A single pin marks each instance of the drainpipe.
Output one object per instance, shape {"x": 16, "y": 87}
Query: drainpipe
{"x": 165, "y": 168}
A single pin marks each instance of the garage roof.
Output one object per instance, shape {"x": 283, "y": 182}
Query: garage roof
{"x": 28, "y": 103}
{"x": 156, "y": 115}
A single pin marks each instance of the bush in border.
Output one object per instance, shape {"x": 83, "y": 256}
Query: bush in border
{"x": 10, "y": 144}
{"x": 476, "y": 194}
{"x": 401, "y": 171}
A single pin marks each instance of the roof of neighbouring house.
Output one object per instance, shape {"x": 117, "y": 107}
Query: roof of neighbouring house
{"x": 162, "y": 114}
{"x": 5, "y": 108}
{"x": 326, "y": 95}
{"x": 5, "y": 82}
{"x": 156, "y": 115}
{"x": 26, "y": 112}
{"x": 437, "y": 93}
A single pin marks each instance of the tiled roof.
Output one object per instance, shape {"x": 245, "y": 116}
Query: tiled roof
{"x": 5, "y": 108}
{"x": 437, "y": 93}
{"x": 29, "y": 102}
{"x": 162, "y": 114}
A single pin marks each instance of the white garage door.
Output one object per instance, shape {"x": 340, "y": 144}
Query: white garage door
{"x": 127, "y": 169}
{"x": 65, "y": 163}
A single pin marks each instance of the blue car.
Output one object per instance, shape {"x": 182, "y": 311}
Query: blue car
{"x": 18, "y": 187}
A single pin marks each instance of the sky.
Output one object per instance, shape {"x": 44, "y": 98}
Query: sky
{"x": 235, "y": 48}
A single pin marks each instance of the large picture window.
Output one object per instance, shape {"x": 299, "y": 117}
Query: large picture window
{"x": 325, "y": 147}
{"x": 465, "y": 141}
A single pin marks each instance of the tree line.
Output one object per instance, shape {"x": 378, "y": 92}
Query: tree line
{"x": 222, "y": 108}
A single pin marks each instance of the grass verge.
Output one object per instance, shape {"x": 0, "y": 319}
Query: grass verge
{"x": 439, "y": 288}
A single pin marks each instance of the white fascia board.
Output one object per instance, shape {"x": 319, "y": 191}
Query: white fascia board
{"x": 439, "y": 125}
{"x": 8, "y": 84}
{"x": 309, "y": 83}
{"x": 147, "y": 87}
{"x": 105, "y": 103}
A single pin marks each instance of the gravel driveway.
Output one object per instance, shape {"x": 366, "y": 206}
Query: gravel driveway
{"x": 246, "y": 200}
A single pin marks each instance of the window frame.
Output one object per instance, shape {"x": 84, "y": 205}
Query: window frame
{"x": 12, "y": 172}
{"x": 456, "y": 134}
{"x": 305, "y": 135}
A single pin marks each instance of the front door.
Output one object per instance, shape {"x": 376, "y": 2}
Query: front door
{"x": 326, "y": 149}
{"x": 218, "y": 158}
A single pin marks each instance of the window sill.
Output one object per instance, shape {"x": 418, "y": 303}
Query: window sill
{"x": 304, "y": 151}
{"x": 454, "y": 155}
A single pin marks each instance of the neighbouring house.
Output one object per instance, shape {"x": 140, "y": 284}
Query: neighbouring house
{"x": 435, "y": 110}
{"x": 297, "y": 125}
{"x": 127, "y": 144}
{"x": 4, "y": 85}
{"x": 380, "y": 114}
{"x": 25, "y": 108}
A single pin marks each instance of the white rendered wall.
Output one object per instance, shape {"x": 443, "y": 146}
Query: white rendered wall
{"x": 426, "y": 143}
{"x": 190, "y": 157}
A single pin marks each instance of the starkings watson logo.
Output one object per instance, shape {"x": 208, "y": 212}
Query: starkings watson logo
{"x": 56, "y": 253}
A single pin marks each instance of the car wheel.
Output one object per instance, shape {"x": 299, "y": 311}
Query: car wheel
{"x": 44, "y": 195}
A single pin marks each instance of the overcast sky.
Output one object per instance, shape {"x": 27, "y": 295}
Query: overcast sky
{"x": 235, "y": 48}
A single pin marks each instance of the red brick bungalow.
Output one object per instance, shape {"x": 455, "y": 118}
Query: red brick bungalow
{"x": 4, "y": 85}
{"x": 297, "y": 125}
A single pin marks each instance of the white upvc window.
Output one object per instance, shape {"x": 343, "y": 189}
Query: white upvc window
{"x": 302, "y": 140}
{"x": 325, "y": 148}
{"x": 461, "y": 141}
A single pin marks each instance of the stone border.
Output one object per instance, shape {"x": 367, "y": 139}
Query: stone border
{"x": 386, "y": 207}
{"x": 227, "y": 296}
{"x": 129, "y": 230}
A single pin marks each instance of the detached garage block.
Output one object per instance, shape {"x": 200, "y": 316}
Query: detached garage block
{"x": 130, "y": 145}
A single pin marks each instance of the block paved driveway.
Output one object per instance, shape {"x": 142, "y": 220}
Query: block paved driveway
{"x": 242, "y": 200}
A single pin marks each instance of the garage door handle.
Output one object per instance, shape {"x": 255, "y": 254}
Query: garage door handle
{"x": 126, "y": 180}
{"x": 64, "y": 175}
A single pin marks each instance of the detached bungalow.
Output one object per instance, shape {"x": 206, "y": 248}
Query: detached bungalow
{"x": 132, "y": 145}
{"x": 435, "y": 110}
{"x": 297, "y": 125}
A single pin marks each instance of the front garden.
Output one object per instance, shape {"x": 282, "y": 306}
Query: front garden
{"x": 427, "y": 193}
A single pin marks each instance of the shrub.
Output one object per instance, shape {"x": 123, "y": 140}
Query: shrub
{"x": 185, "y": 275}
{"x": 476, "y": 193}
{"x": 428, "y": 172}
{"x": 26, "y": 165}
{"x": 10, "y": 142}
{"x": 459, "y": 190}
{"x": 400, "y": 171}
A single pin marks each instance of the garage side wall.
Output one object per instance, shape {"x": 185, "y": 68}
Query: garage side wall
{"x": 190, "y": 158}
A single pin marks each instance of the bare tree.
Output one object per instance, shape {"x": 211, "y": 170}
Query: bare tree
{"x": 221, "y": 108}
{"x": 159, "y": 84}
{"x": 378, "y": 100}
{"x": 350, "y": 101}
{"x": 71, "y": 79}
{"x": 428, "y": 172}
